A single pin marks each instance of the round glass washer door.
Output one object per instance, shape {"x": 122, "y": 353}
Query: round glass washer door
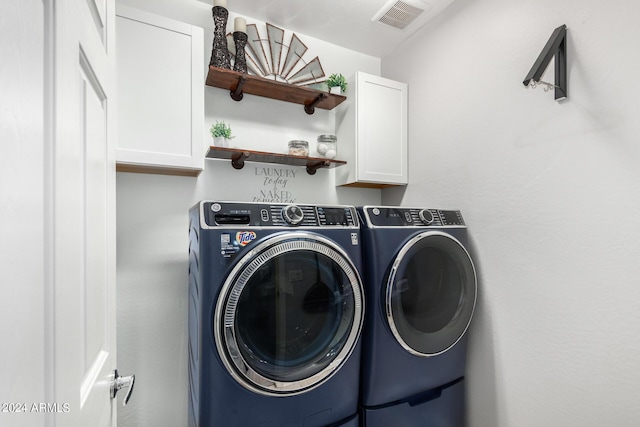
{"x": 430, "y": 293}
{"x": 289, "y": 314}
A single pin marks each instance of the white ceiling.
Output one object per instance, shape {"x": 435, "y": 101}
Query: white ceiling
{"x": 346, "y": 23}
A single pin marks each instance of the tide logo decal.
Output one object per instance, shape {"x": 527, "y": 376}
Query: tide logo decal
{"x": 245, "y": 237}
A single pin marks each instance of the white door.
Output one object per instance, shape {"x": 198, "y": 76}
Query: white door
{"x": 82, "y": 212}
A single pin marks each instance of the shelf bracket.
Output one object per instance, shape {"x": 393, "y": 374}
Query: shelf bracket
{"x": 557, "y": 45}
{"x": 310, "y": 108}
{"x": 237, "y": 160}
{"x": 313, "y": 167}
{"x": 237, "y": 94}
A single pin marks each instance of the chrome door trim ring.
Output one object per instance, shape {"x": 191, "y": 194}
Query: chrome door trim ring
{"x": 391, "y": 280}
{"x": 226, "y": 304}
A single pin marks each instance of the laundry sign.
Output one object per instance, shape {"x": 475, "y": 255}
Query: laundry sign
{"x": 274, "y": 185}
{"x": 267, "y": 183}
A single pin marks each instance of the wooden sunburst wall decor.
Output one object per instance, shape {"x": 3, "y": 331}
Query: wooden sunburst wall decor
{"x": 273, "y": 59}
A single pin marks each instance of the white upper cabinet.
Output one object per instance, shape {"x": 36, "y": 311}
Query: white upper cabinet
{"x": 160, "y": 79}
{"x": 371, "y": 126}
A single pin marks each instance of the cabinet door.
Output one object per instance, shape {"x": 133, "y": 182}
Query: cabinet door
{"x": 160, "y": 71}
{"x": 381, "y": 130}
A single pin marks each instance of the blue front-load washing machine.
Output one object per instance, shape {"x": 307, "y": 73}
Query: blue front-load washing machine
{"x": 275, "y": 314}
{"x": 420, "y": 287}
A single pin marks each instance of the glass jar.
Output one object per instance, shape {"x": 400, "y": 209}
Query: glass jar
{"x": 326, "y": 146}
{"x": 298, "y": 148}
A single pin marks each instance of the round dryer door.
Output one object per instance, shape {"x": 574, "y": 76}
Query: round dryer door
{"x": 289, "y": 314}
{"x": 430, "y": 293}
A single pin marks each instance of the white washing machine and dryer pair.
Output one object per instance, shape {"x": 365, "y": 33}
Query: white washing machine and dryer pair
{"x": 420, "y": 289}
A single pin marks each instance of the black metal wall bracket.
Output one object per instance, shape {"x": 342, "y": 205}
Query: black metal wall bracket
{"x": 237, "y": 160}
{"x": 237, "y": 94}
{"x": 557, "y": 45}
{"x": 311, "y": 107}
{"x": 313, "y": 167}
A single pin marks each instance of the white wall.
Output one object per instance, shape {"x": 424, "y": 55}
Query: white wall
{"x": 152, "y": 220}
{"x": 550, "y": 192}
{"x": 23, "y": 282}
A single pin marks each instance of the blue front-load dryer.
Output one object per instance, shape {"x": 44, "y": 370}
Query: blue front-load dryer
{"x": 275, "y": 314}
{"x": 420, "y": 287}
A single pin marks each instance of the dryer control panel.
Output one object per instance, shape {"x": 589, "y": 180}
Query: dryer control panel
{"x": 234, "y": 214}
{"x": 386, "y": 216}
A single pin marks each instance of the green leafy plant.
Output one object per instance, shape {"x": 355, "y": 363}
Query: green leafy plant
{"x": 221, "y": 129}
{"x": 337, "y": 80}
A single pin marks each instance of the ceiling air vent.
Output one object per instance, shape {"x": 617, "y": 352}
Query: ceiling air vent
{"x": 399, "y": 14}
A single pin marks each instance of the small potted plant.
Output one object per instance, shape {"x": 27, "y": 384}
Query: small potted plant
{"x": 221, "y": 134}
{"x": 337, "y": 84}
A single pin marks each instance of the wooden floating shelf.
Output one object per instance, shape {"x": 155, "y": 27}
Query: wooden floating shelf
{"x": 239, "y": 83}
{"x": 239, "y": 156}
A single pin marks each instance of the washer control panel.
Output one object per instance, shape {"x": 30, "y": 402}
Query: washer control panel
{"x": 412, "y": 217}
{"x": 230, "y": 214}
{"x": 292, "y": 214}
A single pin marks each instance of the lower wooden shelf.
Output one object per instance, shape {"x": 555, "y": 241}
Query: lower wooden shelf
{"x": 238, "y": 156}
{"x": 157, "y": 170}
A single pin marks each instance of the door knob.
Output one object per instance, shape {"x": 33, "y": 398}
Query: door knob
{"x": 120, "y": 382}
